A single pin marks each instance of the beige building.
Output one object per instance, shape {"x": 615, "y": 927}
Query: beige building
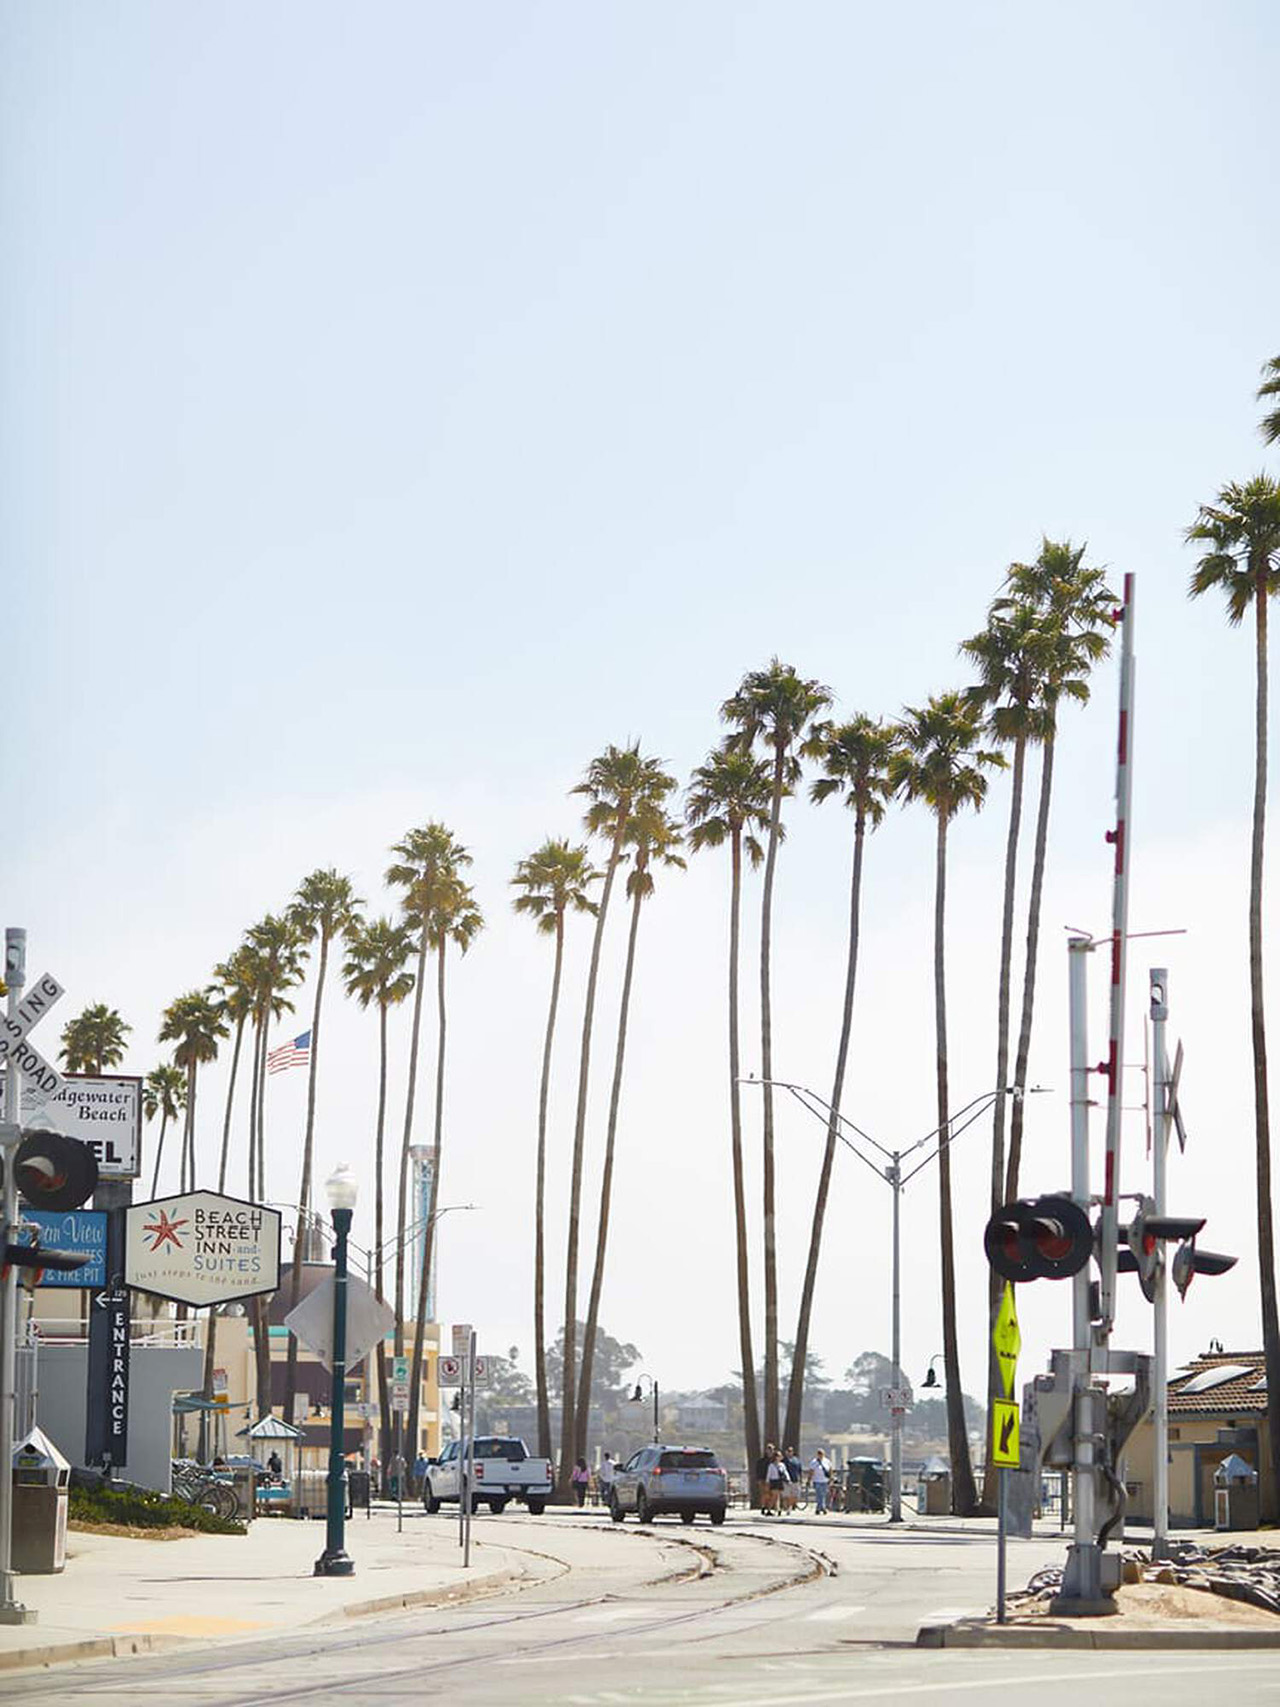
{"x": 1217, "y": 1406}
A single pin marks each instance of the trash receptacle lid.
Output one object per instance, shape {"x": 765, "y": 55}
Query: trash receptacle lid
{"x": 1234, "y": 1468}
{"x": 935, "y": 1466}
{"x": 35, "y": 1451}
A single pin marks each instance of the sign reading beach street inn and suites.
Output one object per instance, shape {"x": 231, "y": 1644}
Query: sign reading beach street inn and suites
{"x": 202, "y": 1248}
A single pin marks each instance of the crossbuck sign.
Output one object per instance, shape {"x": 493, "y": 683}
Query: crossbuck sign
{"x": 40, "y": 1079}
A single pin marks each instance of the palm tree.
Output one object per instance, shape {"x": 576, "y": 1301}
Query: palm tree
{"x": 728, "y": 801}
{"x": 940, "y": 763}
{"x": 426, "y": 868}
{"x": 1077, "y": 612}
{"x": 324, "y": 906}
{"x": 455, "y": 919}
{"x": 377, "y": 955}
{"x": 1269, "y": 388}
{"x": 94, "y": 1040}
{"x": 279, "y": 962}
{"x": 164, "y": 1092}
{"x": 655, "y": 837}
{"x": 618, "y": 781}
{"x": 193, "y": 1024}
{"x": 551, "y": 881}
{"x": 855, "y": 759}
{"x": 1242, "y": 534}
{"x": 237, "y": 977}
{"x": 775, "y": 707}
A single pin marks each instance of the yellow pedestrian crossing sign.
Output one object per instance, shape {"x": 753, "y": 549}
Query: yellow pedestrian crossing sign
{"x": 1006, "y": 1339}
{"x": 1005, "y": 1447}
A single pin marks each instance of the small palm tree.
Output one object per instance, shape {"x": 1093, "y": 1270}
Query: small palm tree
{"x": 194, "y": 1024}
{"x": 940, "y": 763}
{"x": 728, "y": 800}
{"x": 777, "y": 708}
{"x": 164, "y": 1092}
{"x": 1241, "y": 534}
{"x": 94, "y": 1040}
{"x": 325, "y": 906}
{"x": 654, "y": 837}
{"x": 553, "y": 881}
{"x": 454, "y": 919}
{"x": 855, "y": 759}
{"x": 426, "y": 868}
{"x": 375, "y": 973}
{"x": 617, "y": 781}
{"x": 1270, "y": 388}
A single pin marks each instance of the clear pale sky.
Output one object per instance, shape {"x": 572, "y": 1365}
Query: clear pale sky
{"x": 403, "y": 401}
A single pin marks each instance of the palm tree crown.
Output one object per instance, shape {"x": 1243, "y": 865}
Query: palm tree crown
{"x": 855, "y": 758}
{"x": 728, "y": 795}
{"x": 618, "y": 780}
{"x": 554, "y": 881}
{"x": 1242, "y": 533}
{"x": 938, "y": 760}
{"x": 195, "y": 1025}
{"x": 164, "y": 1092}
{"x": 774, "y": 706}
{"x": 325, "y": 905}
{"x": 94, "y": 1040}
{"x": 377, "y": 955}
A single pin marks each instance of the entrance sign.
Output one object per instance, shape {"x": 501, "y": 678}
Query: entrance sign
{"x": 83, "y": 1231}
{"x": 104, "y": 1113}
{"x": 202, "y": 1248}
{"x": 107, "y": 1392}
{"x": 1005, "y": 1449}
{"x": 1006, "y": 1339}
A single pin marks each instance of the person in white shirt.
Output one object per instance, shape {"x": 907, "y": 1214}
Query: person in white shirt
{"x": 608, "y": 1470}
{"x": 820, "y": 1478}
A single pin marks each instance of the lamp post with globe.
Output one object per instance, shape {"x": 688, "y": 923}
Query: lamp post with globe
{"x": 340, "y": 1189}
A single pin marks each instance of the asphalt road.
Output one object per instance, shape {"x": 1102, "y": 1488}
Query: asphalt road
{"x": 762, "y": 1614}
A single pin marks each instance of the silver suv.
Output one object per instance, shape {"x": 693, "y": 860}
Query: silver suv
{"x": 687, "y": 1479}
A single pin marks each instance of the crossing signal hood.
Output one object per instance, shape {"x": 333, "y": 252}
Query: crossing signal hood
{"x": 1038, "y": 1238}
{"x": 32, "y": 1259}
{"x": 1142, "y": 1250}
{"x": 53, "y": 1171}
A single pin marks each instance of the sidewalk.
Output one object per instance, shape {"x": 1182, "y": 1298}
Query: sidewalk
{"x": 122, "y": 1595}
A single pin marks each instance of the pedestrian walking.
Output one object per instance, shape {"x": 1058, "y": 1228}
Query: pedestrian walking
{"x": 778, "y": 1480}
{"x": 608, "y": 1470}
{"x": 791, "y": 1492}
{"x": 581, "y": 1479}
{"x": 764, "y": 1487}
{"x": 820, "y": 1481}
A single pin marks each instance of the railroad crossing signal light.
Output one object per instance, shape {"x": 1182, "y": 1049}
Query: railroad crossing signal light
{"x": 1038, "y": 1238}
{"x": 53, "y": 1171}
{"x": 1142, "y": 1250}
{"x": 1189, "y": 1262}
{"x": 32, "y": 1260}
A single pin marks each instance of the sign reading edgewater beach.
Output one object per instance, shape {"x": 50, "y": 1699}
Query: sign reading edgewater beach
{"x": 104, "y": 1113}
{"x": 202, "y": 1248}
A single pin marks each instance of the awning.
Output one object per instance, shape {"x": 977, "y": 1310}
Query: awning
{"x": 269, "y": 1428}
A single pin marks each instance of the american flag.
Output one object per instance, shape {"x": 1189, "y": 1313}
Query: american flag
{"x": 295, "y": 1053}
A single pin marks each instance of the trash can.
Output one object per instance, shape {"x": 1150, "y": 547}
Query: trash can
{"x": 359, "y": 1490}
{"x": 311, "y": 1493}
{"x": 41, "y": 1490}
{"x": 933, "y": 1497}
{"x": 244, "y": 1479}
{"x": 1235, "y": 1494}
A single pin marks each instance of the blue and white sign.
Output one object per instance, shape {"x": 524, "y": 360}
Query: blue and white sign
{"x": 83, "y": 1231}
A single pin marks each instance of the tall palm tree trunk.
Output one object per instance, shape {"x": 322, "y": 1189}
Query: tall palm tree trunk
{"x": 1258, "y": 1031}
{"x": 771, "y": 1409}
{"x": 402, "y": 1198}
{"x": 231, "y": 1097}
{"x": 304, "y": 1188}
{"x": 963, "y": 1491}
{"x": 428, "y": 1232}
{"x": 540, "y": 1201}
{"x": 606, "y": 1190}
{"x": 568, "y": 1423}
{"x": 155, "y": 1172}
{"x": 384, "y": 1406}
{"x": 995, "y": 1287}
{"x": 261, "y": 1333}
{"x": 795, "y": 1390}
{"x": 1029, "y": 970}
{"x": 187, "y": 1171}
{"x": 750, "y": 1396}
{"x": 253, "y": 1108}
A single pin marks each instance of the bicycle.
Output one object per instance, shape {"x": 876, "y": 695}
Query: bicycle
{"x": 199, "y": 1488}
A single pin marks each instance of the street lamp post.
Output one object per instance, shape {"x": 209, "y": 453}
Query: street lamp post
{"x": 340, "y": 1189}
{"x": 890, "y": 1170}
{"x": 637, "y": 1398}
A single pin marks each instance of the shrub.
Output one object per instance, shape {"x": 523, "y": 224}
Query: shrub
{"x": 141, "y": 1508}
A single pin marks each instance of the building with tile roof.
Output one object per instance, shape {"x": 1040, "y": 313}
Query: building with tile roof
{"x": 1217, "y": 1406}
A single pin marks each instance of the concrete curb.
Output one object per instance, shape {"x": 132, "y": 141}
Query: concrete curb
{"x": 469, "y": 1590}
{"x": 981, "y": 1633}
{"x": 89, "y": 1648}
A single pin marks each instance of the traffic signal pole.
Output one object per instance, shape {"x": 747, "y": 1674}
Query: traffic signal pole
{"x": 1160, "y": 1342}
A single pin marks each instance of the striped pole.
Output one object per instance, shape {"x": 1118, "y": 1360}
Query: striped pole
{"x": 1120, "y": 838}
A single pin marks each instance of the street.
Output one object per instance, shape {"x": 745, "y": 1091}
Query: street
{"x": 759, "y": 1613}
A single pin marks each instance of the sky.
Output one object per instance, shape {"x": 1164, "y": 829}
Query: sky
{"x": 403, "y": 402}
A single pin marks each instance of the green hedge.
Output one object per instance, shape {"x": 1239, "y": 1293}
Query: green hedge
{"x": 138, "y": 1508}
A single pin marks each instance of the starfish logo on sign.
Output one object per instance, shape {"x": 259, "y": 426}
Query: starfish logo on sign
{"x": 165, "y": 1231}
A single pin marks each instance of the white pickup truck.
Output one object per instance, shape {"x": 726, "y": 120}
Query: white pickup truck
{"x": 501, "y": 1470}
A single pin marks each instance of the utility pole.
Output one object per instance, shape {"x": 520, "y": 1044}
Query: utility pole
{"x": 1159, "y": 977}
{"x": 12, "y": 1611}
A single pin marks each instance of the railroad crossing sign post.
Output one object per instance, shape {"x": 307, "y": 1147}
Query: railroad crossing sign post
{"x": 1006, "y": 1341}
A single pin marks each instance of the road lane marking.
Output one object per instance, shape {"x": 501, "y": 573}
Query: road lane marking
{"x": 822, "y": 1613}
